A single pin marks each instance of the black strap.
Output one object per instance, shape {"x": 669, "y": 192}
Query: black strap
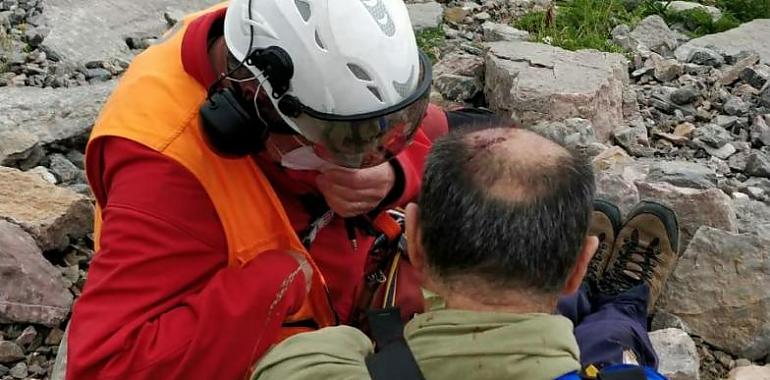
{"x": 394, "y": 359}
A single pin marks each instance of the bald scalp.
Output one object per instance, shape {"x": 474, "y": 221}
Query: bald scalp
{"x": 513, "y": 164}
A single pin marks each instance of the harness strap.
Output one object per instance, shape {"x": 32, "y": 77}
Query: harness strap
{"x": 393, "y": 359}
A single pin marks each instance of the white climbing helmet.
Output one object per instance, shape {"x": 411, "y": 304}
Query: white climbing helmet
{"x": 359, "y": 87}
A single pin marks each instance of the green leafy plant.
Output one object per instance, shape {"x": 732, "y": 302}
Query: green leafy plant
{"x": 430, "y": 41}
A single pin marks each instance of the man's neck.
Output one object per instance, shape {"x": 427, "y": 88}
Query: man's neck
{"x": 471, "y": 296}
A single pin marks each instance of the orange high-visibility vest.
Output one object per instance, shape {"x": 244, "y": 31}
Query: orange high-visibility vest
{"x": 156, "y": 104}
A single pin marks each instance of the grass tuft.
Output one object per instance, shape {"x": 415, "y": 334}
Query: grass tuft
{"x": 430, "y": 41}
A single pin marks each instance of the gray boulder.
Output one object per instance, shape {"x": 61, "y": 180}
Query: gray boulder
{"x": 760, "y": 131}
{"x": 10, "y": 352}
{"x": 751, "y": 372}
{"x": 32, "y": 290}
{"x": 64, "y": 170}
{"x": 34, "y": 116}
{"x": 704, "y": 56}
{"x": 494, "y": 32}
{"x": 758, "y": 164}
{"x": 536, "y": 82}
{"x": 731, "y": 73}
{"x": 617, "y": 189}
{"x": 685, "y": 95}
{"x": 574, "y": 132}
{"x": 717, "y": 290}
{"x": 105, "y": 25}
{"x": 733, "y": 41}
{"x": 715, "y": 140}
{"x": 764, "y": 97}
{"x": 683, "y": 174}
{"x": 680, "y": 6}
{"x": 652, "y": 34}
{"x": 459, "y": 76}
{"x": 752, "y": 215}
{"x": 457, "y": 87}
{"x": 616, "y": 173}
{"x": 665, "y": 70}
{"x": 634, "y": 139}
{"x": 677, "y": 354}
{"x": 51, "y": 214}
{"x": 736, "y": 106}
{"x": 19, "y": 371}
{"x": 19, "y": 147}
{"x": 425, "y": 15}
{"x": 756, "y": 76}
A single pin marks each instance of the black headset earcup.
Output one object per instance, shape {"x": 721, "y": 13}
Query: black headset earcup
{"x": 228, "y": 128}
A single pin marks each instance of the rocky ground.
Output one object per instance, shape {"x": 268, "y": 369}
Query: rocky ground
{"x": 684, "y": 122}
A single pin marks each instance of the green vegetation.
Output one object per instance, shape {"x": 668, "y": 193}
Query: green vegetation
{"x": 430, "y": 41}
{"x": 587, "y": 24}
{"x": 5, "y": 45}
{"x": 699, "y": 22}
{"x": 579, "y": 24}
{"x": 745, "y": 10}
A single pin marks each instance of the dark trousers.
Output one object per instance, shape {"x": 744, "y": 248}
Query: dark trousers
{"x": 605, "y": 326}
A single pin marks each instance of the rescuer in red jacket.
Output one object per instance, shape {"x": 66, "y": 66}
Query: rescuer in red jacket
{"x": 235, "y": 168}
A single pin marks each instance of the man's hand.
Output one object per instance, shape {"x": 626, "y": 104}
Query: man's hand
{"x": 355, "y": 192}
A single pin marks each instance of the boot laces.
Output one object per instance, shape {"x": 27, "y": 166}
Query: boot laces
{"x": 598, "y": 259}
{"x": 635, "y": 264}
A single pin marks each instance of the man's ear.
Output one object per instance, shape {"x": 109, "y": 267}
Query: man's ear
{"x": 590, "y": 244}
{"x": 415, "y": 250}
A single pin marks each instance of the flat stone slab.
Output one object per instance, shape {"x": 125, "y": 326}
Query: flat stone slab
{"x": 96, "y": 30}
{"x": 535, "y": 82}
{"x": 32, "y": 115}
{"x": 753, "y": 35}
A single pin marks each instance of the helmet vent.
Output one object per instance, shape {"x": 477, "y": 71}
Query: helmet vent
{"x": 319, "y": 42}
{"x": 304, "y": 9}
{"x": 375, "y": 92}
{"x": 403, "y": 88}
{"x": 359, "y": 72}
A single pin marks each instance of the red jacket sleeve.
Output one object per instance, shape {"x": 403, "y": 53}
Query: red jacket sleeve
{"x": 160, "y": 302}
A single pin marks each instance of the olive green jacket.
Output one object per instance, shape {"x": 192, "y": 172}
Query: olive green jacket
{"x": 448, "y": 344}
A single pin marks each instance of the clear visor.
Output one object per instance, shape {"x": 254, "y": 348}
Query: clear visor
{"x": 363, "y": 143}
{"x": 366, "y": 140}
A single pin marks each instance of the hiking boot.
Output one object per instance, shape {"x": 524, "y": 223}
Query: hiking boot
{"x": 646, "y": 251}
{"x": 605, "y": 224}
